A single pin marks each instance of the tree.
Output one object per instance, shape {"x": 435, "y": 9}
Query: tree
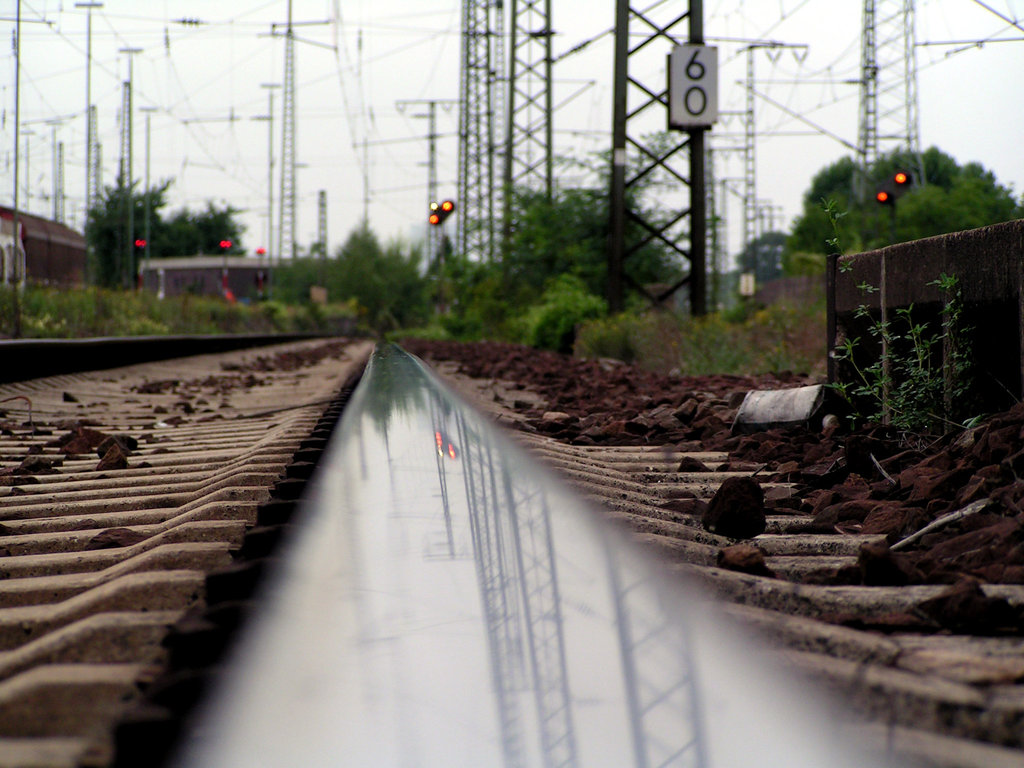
{"x": 185, "y": 233}
{"x": 188, "y": 233}
{"x": 113, "y": 264}
{"x": 568, "y": 234}
{"x": 384, "y": 281}
{"x": 954, "y": 198}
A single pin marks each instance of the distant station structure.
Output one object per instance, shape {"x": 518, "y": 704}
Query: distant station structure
{"x": 233, "y": 277}
{"x": 47, "y": 252}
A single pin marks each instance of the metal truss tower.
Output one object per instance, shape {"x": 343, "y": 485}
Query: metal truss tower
{"x": 480, "y": 117}
{"x": 643, "y": 38}
{"x": 514, "y": 553}
{"x": 661, "y": 678}
{"x": 529, "y": 146}
{"x": 888, "y": 91}
{"x": 286, "y": 222}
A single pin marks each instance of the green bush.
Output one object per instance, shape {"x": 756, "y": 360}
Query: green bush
{"x": 565, "y": 303}
{"x": 781, "y": 337}
{"x": 88, "y": 312}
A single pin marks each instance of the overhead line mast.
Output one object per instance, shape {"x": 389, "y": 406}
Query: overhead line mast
{"x": 482, "y": 79}
{"x": 286, "y": 223}
{"x": 888, "y": 96}
{"x": 529, "y": 147}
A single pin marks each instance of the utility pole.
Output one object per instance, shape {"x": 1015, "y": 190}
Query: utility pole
{"x": 698, "y": 190}
{"x": 148, "y": 198}
{"x": 431, "y": 116}
{"x": 286, "y": 225}
{"x": 888, "y": 93}
{"x": 480, "y": 114}
{"x": 89, "y": 109}
{"x": 638, "y": 103}
{"x": 28, "y": 133}
{"x": 321, "y": 229}
{"x": 750, "y": 204}
{"x": 128, "y": 170}
{"x": 57, "y": 173}
{"x": 529, "y": 144}
{"x": 17, "y": 275}
{"x": 269, "y": 118}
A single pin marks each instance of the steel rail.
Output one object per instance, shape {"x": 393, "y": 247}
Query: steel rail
{"x": 442, "y": 600}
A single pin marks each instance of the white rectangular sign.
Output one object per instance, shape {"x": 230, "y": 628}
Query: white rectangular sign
{"x": 692, "y": 86}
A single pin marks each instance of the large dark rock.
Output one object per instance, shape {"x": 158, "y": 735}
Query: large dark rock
{"x": 736, "y": 510}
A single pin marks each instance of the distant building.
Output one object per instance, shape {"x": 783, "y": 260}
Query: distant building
{"x": 50, "y": 253}
{"x": 237, "y": 277}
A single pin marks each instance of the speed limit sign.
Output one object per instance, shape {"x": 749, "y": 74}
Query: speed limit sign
{"x": 692, "y": 86}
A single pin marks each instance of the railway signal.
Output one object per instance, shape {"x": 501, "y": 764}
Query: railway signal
{"x": 225, "y": 245}
{"x": 894, "y": 188}
{"x": 440, "y": 211}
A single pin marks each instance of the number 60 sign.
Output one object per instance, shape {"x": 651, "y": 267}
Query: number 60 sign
{"x": 692, "y": 86}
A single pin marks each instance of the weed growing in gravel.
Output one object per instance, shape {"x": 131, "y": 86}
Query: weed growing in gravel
{"x": 919, "y": 381}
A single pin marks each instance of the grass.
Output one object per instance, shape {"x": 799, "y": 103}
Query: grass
{"x": 783, "y": 337}
{"x": 48, "y": 312}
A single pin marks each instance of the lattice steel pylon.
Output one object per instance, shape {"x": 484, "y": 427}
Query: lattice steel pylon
{"x": 482, "y": 78}
{"x": 513, "y": 548}
{"x": 663, "y": 695}
{"x": 677, "y": 162}
{"x": 888, "y": 89}
{"x": 286, "y": 221}
{"x": 529, "y": 144}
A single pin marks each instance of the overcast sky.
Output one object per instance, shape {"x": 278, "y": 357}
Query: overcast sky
{"x": 204, "y": 81}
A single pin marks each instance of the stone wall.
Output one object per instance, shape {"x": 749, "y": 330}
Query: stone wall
{"x": 989, "y": 266}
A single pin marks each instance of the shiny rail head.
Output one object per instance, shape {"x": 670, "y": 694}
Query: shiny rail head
{"x": 445, "y": 602}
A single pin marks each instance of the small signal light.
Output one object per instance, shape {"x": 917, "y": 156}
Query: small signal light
{"x": 883, "y": 197}
{"x": 440, "y": 211}
{"x": 225, "y": 245}
{"x": 261, "y": 251}
{"x": 140, "y": 243}
{"x": 901, "y": 178}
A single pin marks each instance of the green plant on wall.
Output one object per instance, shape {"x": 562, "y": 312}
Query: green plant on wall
{"x": 920, "y": 380}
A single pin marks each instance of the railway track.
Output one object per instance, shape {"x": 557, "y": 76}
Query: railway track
{"x": 100, "y": 563}
{"x": 101, "y": 556}
{"x": 935, "y": 696}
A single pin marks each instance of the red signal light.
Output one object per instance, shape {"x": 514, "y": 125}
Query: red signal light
{"x": 261, "y": 251}
{"x": 140, "y": 243}
{"x": 882, "y": 196}
{"x": 901, "y": 177}
{"x": 440, "y": 211}
{"x": 225, "y": 245}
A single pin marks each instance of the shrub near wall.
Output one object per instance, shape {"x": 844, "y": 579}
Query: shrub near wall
{"x": 772, "y": 339}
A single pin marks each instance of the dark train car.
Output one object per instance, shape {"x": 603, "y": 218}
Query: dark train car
{"x": 54, "y": 253}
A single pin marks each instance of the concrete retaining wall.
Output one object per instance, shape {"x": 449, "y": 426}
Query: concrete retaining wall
{"x": 989, "y": 265}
